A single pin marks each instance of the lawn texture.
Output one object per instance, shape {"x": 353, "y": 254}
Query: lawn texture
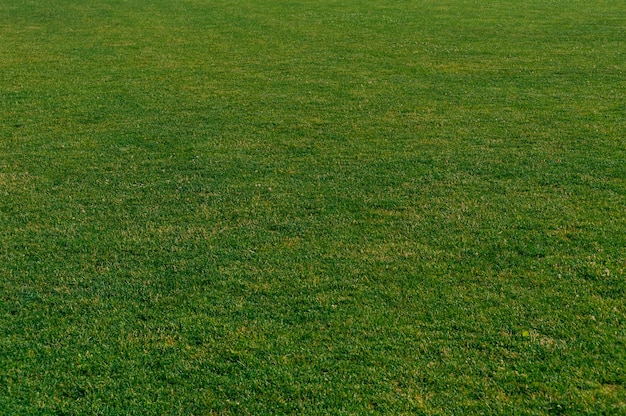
{"x": 312, "y": 207}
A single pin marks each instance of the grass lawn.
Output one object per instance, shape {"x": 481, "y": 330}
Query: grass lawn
{"x": 349, "y": 207}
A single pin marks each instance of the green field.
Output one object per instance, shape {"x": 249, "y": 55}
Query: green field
{"x": 320, "y": 207}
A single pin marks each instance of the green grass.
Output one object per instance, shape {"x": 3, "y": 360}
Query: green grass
{"x": 312, "y": 207}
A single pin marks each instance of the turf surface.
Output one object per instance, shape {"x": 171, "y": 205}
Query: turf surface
{"x": 312, "y": 207}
